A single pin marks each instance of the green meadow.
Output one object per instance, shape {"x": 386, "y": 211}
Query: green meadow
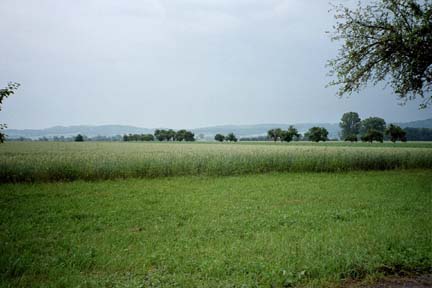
{"x": 212, "y": 215}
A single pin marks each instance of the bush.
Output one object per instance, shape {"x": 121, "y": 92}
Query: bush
{"x": 373, "y": 135}
{"x": 351, "y": 138}
{"x": 79, "y": 138}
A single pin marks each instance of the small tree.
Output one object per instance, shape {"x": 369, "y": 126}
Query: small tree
{"x": 189, "y": 136}
{"x": 4, "y": 93}
{"x": 294, "y": 132}
{"x": 271, "y": 134}
{"x": 396, "y": 133}
{"x": 373, "y": 135}
{"x": 372, "y": 123}
{"x": 317, "y": 134}
{"x": 170, "y": 135}
{"x": 351, "y": 138}
{"x": 147, "y": 137}
{"x": 286, "y": 136}
{"x": 219, "y": 137}
{"x": 161, "y": 135}
{"x": 79, "y": 138}
{"x": 180, "y": 135}
{"x": 350, "y": 125}
{"x": 231, "y": 137}
{"x": 275, "y": 134}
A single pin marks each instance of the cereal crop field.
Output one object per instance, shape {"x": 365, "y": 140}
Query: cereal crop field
{"x": 213, "y": 215}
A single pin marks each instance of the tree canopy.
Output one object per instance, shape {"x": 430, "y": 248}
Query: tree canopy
{"x": 171, "y": 135}
{"x": 231, "y": 137}
{"x": 396, "y": 133}
{"x": 219, "y": 137}
{"x": 372, "y": 123}
{"x": 275, "y": 134}
{"x": 350, "y": 126}
{"x": 4, "y": 93}
{"x": 282, "y": 135}
{"x": 373, "y": 135}
{"x": 317, "y": 134}
{"x": 386, "y": 40}
{"x": 79, "y": 138}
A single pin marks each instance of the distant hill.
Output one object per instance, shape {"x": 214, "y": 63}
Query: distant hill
{"x": 90, "y": 131}
{"x": 208, "y": 132}
{"x": 427, "y": 123}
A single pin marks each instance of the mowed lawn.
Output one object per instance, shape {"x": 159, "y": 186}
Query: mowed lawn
{"x": 280, "y": 229}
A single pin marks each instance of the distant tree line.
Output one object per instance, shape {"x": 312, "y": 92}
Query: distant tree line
{"x": 254, "y": 138}
{"x": 418, "y": 134}
{"x": 369, "y": 130}
{"x": 162, "y": 135}
{"x": 282, "y": 135}
{"x": 138, "y": 137}
{"x": 228, "y": 138}
{"x": 68, "y": 138}
{"x": 315, "y": 134}
{"x": 353, "y": 129}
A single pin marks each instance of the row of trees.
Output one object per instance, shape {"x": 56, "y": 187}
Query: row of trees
{"x": 229, "y": 138}
{"x": 315, "y": 134}
{"x": 369, "y": 130}
{"x": 171, "y": 135}
{"x": 69, "y": 138}
{"x": 282, "y": 135}
{"x": 162, "y": 135}
{"x": 418, "y": 134}
{"x": 139, "y": 137}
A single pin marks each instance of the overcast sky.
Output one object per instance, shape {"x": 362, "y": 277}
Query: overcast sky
{"x": 175, "y": 63}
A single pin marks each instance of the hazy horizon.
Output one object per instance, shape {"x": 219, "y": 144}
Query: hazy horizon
{"x": 182, "y": 64}
{"x": 202, "y": 127}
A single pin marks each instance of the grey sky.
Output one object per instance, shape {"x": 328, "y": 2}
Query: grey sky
{"x": 175, "y": 63}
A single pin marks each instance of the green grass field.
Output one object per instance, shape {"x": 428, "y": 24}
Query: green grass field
{"x": 283, "y": 229}
{"x": 32, "y": 162}
{"x": 212, "y": 215}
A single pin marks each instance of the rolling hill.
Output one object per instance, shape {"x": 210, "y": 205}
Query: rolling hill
{"x": 208, "y": 132}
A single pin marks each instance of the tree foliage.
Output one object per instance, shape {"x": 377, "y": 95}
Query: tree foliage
{"x": 275, "y": 134}
{"x": 317, "y": 134}
{"x": 219, "y": 137}
{"x": 386, "y": 40}
{"x": 138, "y": 137}
{"x": 396, "y": 133}
{"x": 78, "y": 138}
{"x": 351, "y": 138}
{"x": 282, "y": 135}
{"x": 184, "y": 135}
{"x": 372, "y": 123}
{"x": 171, "y": 135}
{"x": 294, "y": 132}
{"x": 350, "y": 126}
{"x": 4, "y": 93}
{"x": 373, "y": 135}
{"x": 231, "y": 137}
{"x": 418, "y": 134}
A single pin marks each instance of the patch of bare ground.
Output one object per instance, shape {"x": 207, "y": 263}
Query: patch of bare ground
{"x": 413, "y": 281}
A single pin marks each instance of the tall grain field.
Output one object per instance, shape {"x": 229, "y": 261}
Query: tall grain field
{"x": 42, "y": 161}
